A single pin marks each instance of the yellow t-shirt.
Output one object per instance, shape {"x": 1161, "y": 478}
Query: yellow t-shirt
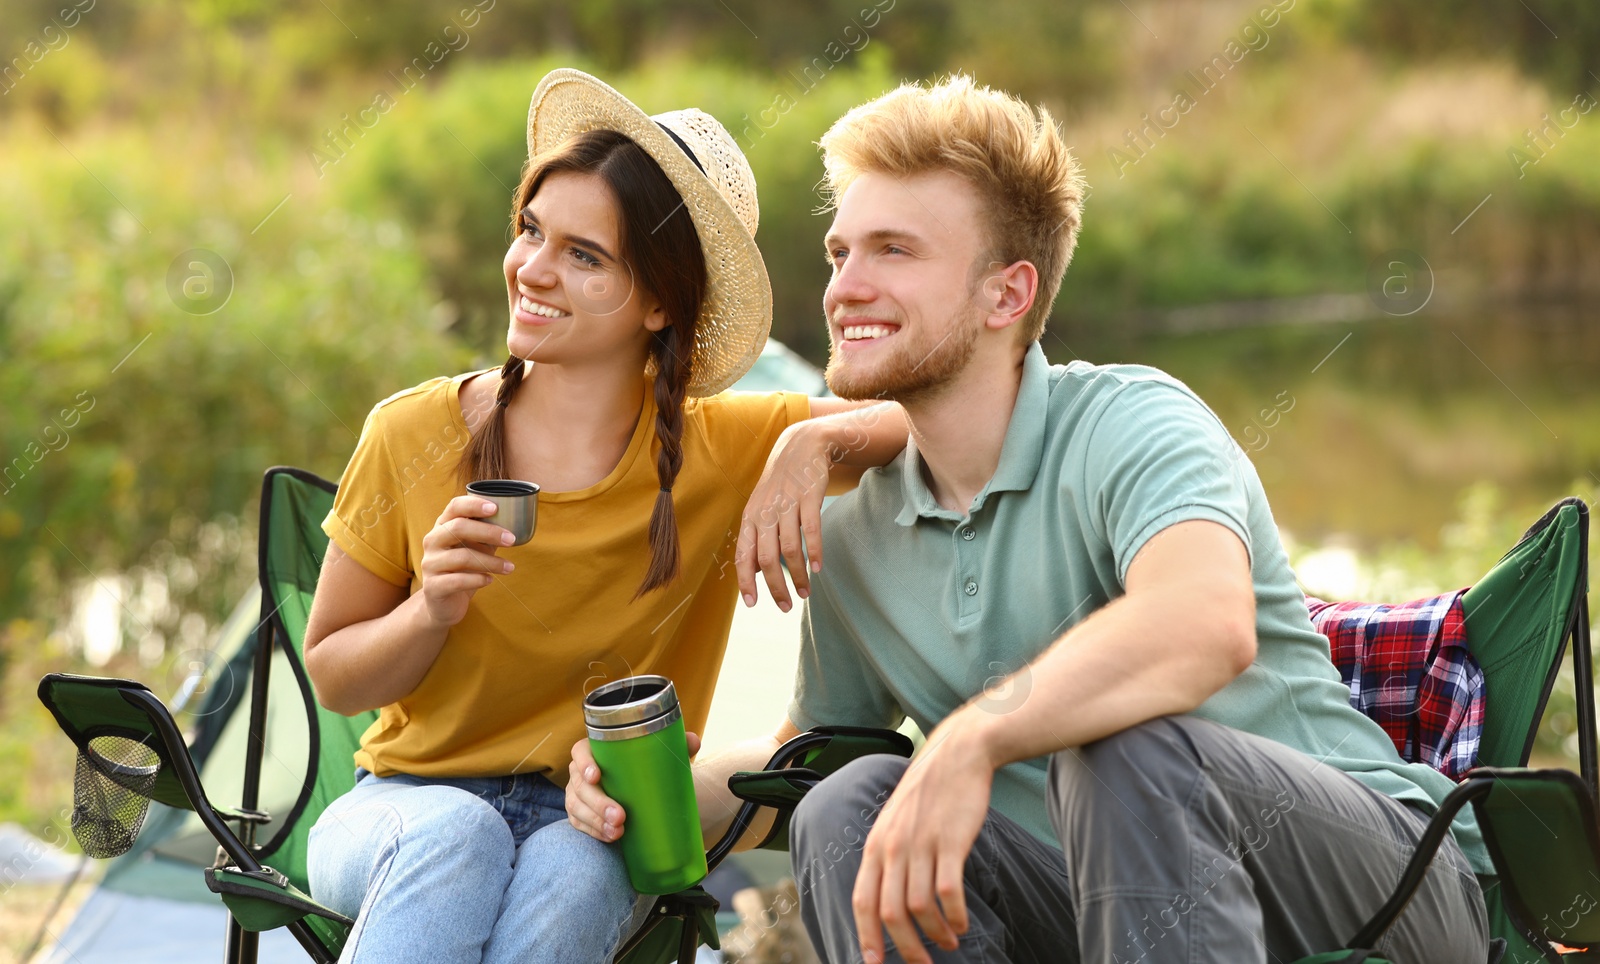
{"x": 505, "y": 694}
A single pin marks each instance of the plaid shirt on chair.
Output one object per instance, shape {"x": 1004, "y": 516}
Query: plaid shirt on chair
{"x": 1408, "y": 668}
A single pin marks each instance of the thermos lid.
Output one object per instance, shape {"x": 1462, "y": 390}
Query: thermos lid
{"x": 625, "y": 702}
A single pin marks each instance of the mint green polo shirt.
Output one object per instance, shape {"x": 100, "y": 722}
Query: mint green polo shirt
{"x": 919, "y": 607}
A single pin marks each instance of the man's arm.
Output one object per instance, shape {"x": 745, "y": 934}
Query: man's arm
{"x": 718, "y": 805}
{"x": 1183, "y": 631}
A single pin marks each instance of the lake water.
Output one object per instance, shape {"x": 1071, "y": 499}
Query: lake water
{"x": 1377, "y": 441}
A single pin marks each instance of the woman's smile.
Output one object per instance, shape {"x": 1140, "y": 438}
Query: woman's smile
{"x": 531, "y": 312}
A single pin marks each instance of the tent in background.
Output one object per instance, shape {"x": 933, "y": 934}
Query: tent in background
{"x": 152, "y": 905}
{"x": 780, "y": 369}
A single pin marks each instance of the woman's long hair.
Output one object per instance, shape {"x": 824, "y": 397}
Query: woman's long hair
{"x": 662, "y": 250}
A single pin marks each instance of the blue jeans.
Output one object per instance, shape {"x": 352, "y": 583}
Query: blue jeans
{"x": 469, "y": 869}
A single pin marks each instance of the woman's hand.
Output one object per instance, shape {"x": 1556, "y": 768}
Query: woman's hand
{"x": 786, "y": 505}
{"x": 588, "y": 807}
{"x": 458, "y": 557}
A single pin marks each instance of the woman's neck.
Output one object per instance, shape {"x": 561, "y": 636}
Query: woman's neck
{"x": 567, "y": 429}
{"x": 595, "y": 402}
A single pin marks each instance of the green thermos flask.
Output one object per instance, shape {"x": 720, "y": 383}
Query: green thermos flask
{"x": 637, "y": 737}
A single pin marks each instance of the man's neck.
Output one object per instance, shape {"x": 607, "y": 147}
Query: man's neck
{"x": 961, "y": 430}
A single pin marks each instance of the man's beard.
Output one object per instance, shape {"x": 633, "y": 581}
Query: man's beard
{"x": 913, "y": 371}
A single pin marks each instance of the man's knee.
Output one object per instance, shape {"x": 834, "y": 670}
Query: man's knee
{"x": 1153, "y": 760}
{"x": 831, "y": 822}
{"x": 856, "y": 792}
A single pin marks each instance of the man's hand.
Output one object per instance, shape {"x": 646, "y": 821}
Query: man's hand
{"x": 912, "y": 868}
{"x": 786, "y": 505}
{"x": 588, "y": 807}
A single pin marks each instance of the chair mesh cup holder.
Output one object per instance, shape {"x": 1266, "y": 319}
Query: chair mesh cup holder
{"x": 111, "y": 794}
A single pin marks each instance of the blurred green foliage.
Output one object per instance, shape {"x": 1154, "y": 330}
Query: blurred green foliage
{"x": 177, "y": 413}
{"x": 1556, "y": 40}
{"x": 297, "y": 46}
{"x": 1223, "y": 223}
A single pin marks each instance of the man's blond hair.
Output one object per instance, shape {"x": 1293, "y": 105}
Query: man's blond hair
{"x": 1011, "y": 152}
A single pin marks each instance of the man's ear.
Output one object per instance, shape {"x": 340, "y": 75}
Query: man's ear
{"x": 1007, "y": 292}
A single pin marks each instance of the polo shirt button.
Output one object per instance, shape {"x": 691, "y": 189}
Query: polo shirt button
{"x": 968, "y": 534}
{"x": 972, "y": 588}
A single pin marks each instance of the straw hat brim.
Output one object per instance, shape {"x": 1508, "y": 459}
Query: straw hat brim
{"x": 736, "y": 315}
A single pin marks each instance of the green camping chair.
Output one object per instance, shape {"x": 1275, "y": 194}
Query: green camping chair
{"x": 1540, "y": 825}
{"x": 130, "y": 752}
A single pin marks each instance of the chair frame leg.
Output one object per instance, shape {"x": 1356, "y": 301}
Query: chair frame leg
{"x": 243, "y": 947}
{"x": 1583, "y": 688}
{"x": 689, "y": 943}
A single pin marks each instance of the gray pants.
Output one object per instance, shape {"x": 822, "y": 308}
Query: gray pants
{"x": 1184, "y": 840}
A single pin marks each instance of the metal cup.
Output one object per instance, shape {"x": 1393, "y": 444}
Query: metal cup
{"x": 516, "y": 505}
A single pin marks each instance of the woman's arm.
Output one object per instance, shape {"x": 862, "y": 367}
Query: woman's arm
{"x": 863, "y": 435}
{"x": 368, "y": 642}
{"x": 365, "y": 639}
{"x": 822, "y": 456}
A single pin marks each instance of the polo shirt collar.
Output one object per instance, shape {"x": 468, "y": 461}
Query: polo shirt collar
{"x": 1020, "y": 453}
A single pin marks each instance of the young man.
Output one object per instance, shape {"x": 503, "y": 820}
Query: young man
{"x": 1138, "y": 749}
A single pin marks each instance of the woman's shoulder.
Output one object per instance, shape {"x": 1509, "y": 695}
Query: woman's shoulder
{"x": 744, "y": 423}
{"x": 427, "y": 405}
{"x": 736, "y": 402}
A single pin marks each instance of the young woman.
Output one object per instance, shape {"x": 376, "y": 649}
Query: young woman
{"x": 636, "y": 295}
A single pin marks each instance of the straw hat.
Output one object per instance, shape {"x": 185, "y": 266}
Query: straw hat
{"x": 715, "y": 181}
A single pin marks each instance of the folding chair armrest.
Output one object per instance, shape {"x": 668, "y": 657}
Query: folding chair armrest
{"x": 88, "y": 707}
{"x": 798, "y": 766}
{"x": 781, "y": 790}
{"x": 264, "y": 899}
